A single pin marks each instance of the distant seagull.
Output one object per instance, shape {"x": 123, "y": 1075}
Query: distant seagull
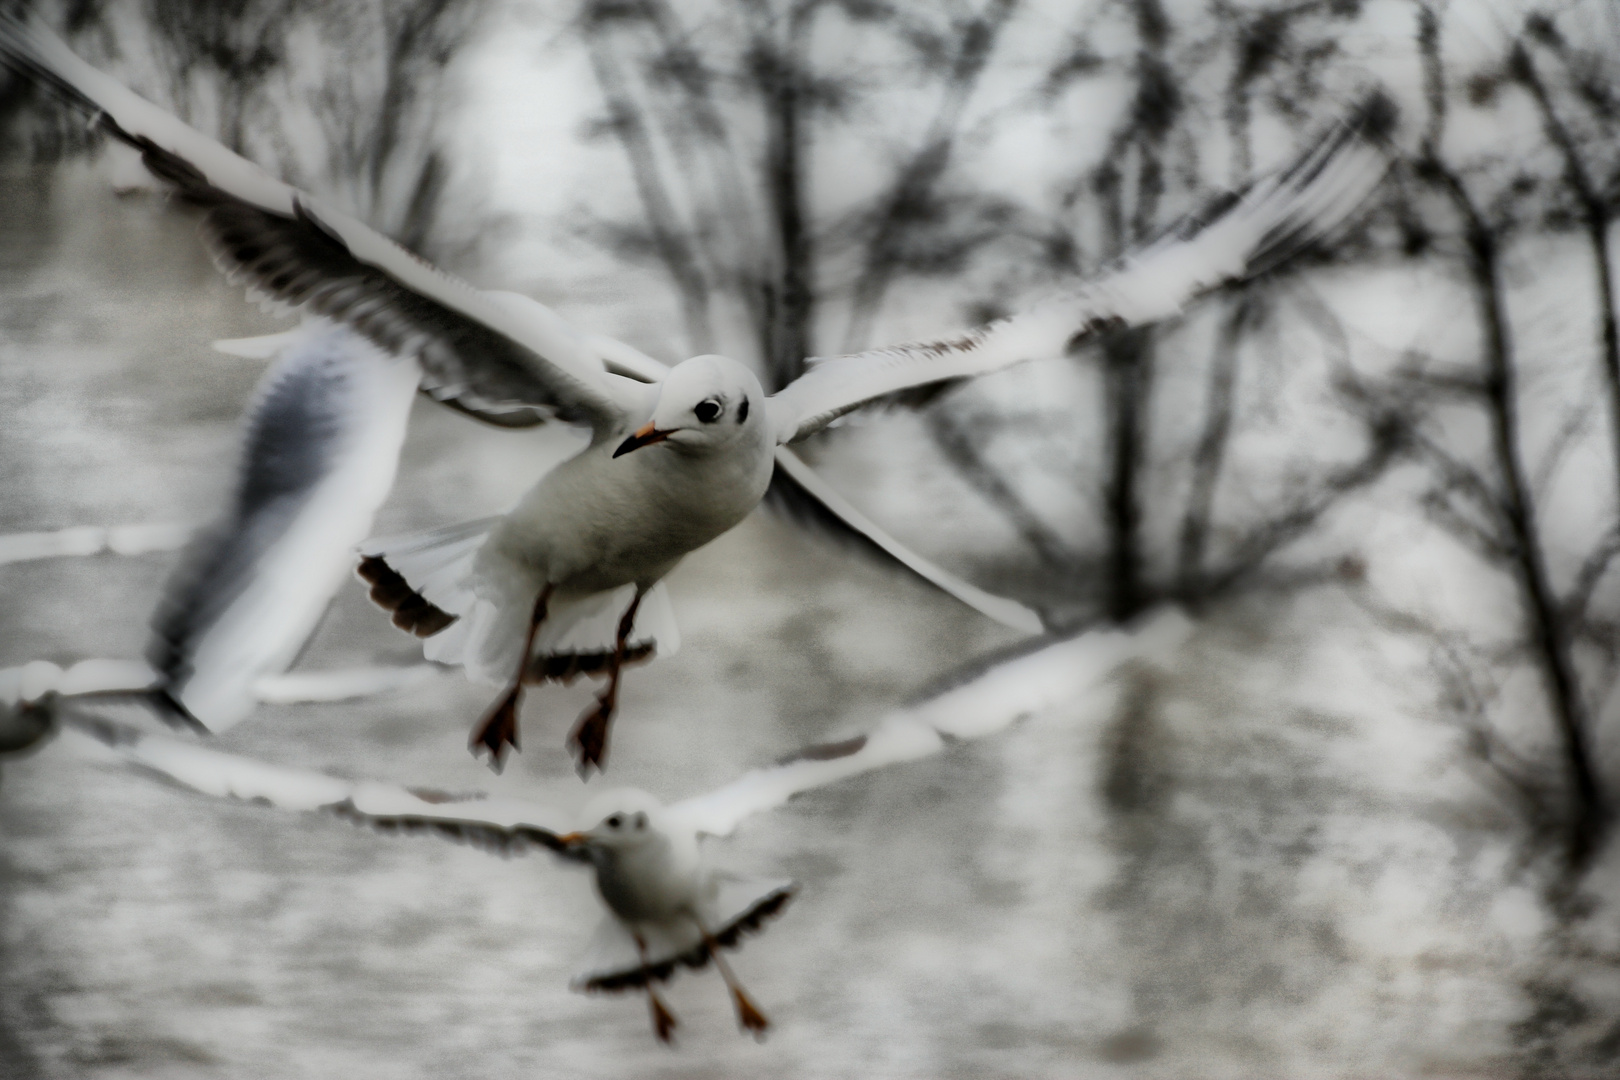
{"x": 666, "y": 906}
{"x": 565, "y": 582}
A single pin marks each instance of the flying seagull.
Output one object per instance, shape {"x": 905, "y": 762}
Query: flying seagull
{"x": 566, "y": 582}
{"x": 666, "y": 906}
{"x": 323, "y": 433}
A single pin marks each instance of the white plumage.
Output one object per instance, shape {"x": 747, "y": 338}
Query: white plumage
{"x": 677, "y": 456}
{"x": 665, "y": 905}
{"x": 322, "y": 442}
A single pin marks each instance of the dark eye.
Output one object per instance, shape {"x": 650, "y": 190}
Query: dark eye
{"x": 742, "y": 411}
{"x": 641, "y": 821}
{"x": 708, "y": 411}
{"x": 614, "y": 821}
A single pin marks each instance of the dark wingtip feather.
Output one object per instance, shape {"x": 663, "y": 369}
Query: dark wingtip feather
{"x": 412, "y": 612}
{"x": 168, "y": 708}
{"x": 825, "y": 751}
{"x": 566, "y": 667}
{"x": 768, "y": 906}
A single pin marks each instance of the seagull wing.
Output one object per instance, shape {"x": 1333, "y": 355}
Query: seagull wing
{"x": 506, "y": 826}
{"x": 799, "y": 493}
{"x": 479, "y": 352}
{"x": 1274, "y": 219}
{"x": 1065, "y": 672}
{"x": 318, "y": 458}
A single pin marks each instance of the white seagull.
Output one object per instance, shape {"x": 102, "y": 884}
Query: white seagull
{"x": 566, "y": 582}
{"x": 666, "y": 907}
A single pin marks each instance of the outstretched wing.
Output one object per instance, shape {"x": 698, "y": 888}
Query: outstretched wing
{"x": 1275, "y": 218}
{"x": 479, "y": 352}
{"x": 318, "y": 457}
{"x": 505, "y": 826}
{"x": 799, "y": 493}
{"x": 1066, "y": 671}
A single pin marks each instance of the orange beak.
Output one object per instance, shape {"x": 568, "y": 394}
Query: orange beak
{"x": 573, "y": 839}
{"x": 645, "y": 435}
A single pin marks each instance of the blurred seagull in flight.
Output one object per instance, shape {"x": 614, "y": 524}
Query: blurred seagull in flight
{"x": 666, "y": 907}
{"x": 567, "y": 582}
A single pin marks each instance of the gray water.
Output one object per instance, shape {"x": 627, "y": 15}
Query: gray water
{"x": 1271, "y": 860}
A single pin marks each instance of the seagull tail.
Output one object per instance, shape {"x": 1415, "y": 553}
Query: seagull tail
{"x": 475, "y": 613}
{"x": 423, "y": 579}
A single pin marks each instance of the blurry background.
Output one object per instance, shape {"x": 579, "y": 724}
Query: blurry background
{"x": 1358, "y": 829}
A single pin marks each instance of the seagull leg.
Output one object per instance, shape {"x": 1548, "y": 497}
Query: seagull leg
{"x": 588, "y": 740}
{"x": 499, "y": 727}
{"x": 748, "y": 1015}
{"x": 663, "y": 1020}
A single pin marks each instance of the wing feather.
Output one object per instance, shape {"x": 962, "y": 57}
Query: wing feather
{"x": 1274, "y": 219}
{"x": 319, "y": 453}
{"x": 800, "y": 492}
{"x": 489, "y": 357}
{"x": 506, "y": 826}
{"x": 1065, "y": 671}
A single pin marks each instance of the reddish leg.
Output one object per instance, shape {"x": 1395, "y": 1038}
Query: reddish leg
{"x": 499, "y": 727}
{"x": 748, "y": 1016}
{"x": 662, "y": 1019}
{"x": 588, "y": 740}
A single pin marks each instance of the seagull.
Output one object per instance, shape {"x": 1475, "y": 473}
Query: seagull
{"x": 567, "y": 582}
{"x": 666, "y": 907}
{"x": 323, "y": 434}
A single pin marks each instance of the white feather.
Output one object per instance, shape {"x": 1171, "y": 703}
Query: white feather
{"x": 344, "y": 684}
{"x": 266, "y": 624}
{"x": 1156, "y": 283}
{"x": 1068, "y": 671}
{"x": 93, "y": 540}
{"x": 256, "y": 348}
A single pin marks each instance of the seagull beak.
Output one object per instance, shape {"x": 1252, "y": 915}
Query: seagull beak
{"x": 645, "y": 435}
{"x": 573, "y": 839}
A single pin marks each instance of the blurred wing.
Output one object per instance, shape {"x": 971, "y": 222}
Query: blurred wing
{"x": 318, "y": 458}
{"x": 801, "y": 494}
{"x": 479, "y": 351}
{"x": 508, "y": 826}
{"x": 1065, "y": 672}
{"x": 1274, "y": 219}
{"x": 93, "y": 540}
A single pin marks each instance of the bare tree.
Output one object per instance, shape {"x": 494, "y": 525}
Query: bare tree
{"x": 1469, "y": 213}
{"x": 738, "y": 231}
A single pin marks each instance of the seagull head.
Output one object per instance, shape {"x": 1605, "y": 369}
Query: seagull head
{"x": 704, "y": 404}
{"x": 617, "y": 821}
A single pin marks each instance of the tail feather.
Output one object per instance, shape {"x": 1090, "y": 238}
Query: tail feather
{"x": 412, "y": 611}
{"x": 468, "y": 613}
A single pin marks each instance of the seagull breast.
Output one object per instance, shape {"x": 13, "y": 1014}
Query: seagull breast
{"x": 656, "y": 880}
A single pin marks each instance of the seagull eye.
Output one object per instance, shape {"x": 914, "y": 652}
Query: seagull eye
{"x": 742, "y": 411}
{"x": 614, "y": 821}
{"x": 641, "y": 821}
{"x": 708, "y": 411}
